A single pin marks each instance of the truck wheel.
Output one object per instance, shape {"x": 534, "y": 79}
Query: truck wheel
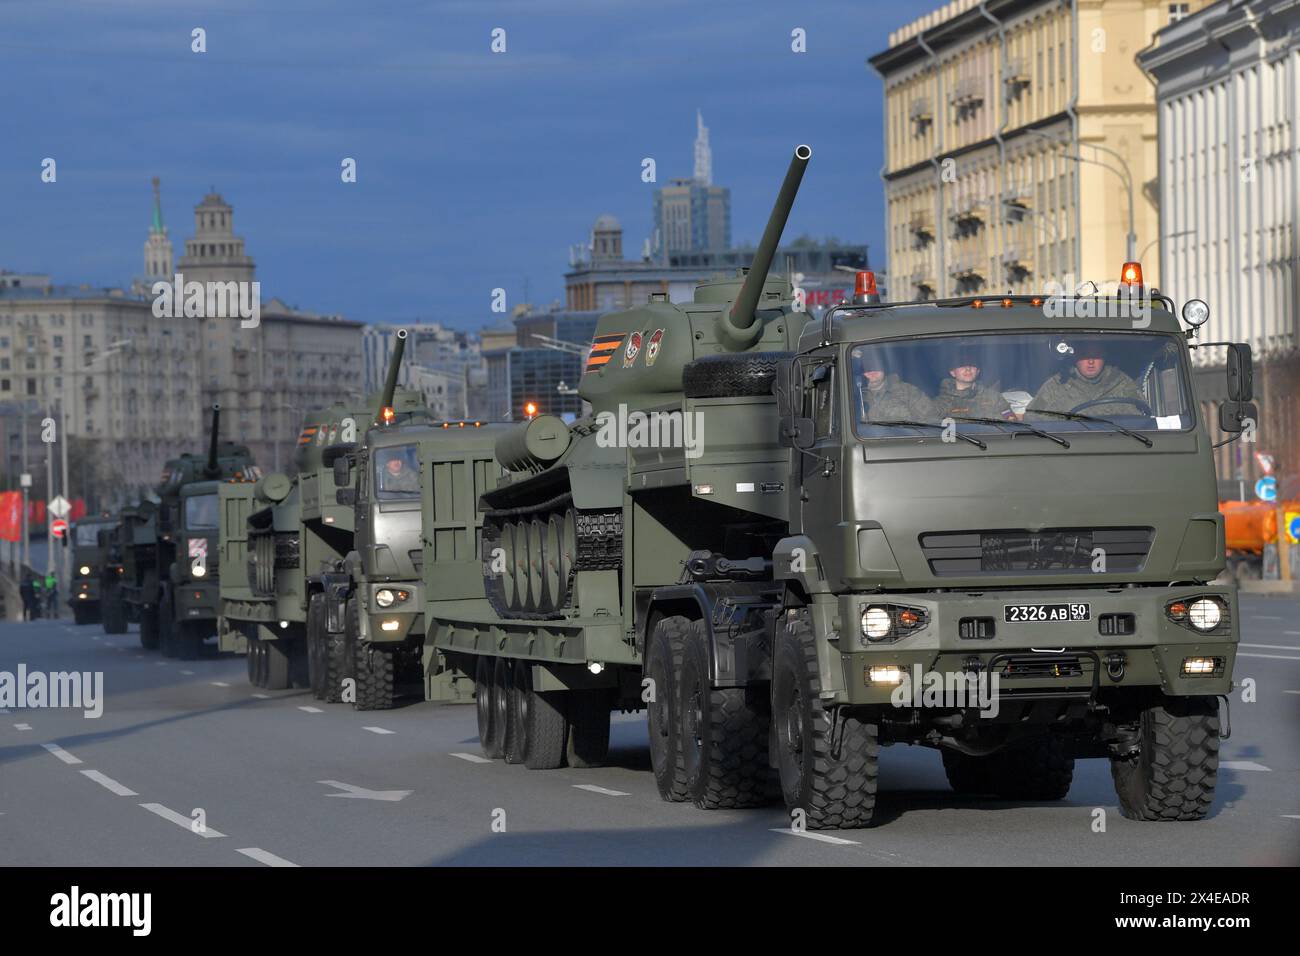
{"x": 114, "y": 614}
{"x": 374, "y": 670}
{"x": 722, "y": 733}
{"x": 503, "y": 683}
{"x": 316, "y": 668}
{"x": 834, "y": 787}
{"x": 1173, "y": 775}
{"x": 253, "y": 661}
{"x": 336, "y": 651}
{"x": 82, "y": 615}
{"x": 1037, "y": 769}
{"x": 296, "y": 648}
{"x": 727, "y": 374}
{"x": 149, "y": 628}
{"x": 664, "y": 667}
{"x": 588, "y": 728}
{"x": 544, "y": 725}
{"x": 489, "y": 729}
{"x": 967, "y": 774}
{"x": 167, "y": 625}
{"x": 517, "y": 711}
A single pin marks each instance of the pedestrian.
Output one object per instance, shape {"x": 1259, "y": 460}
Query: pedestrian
{"x": 38, "y": 596}
{"x": 52, "y": 593}
{"x": 28, "y": 594}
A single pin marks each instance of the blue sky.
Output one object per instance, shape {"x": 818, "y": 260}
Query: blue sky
{"x": 475, "y": 170}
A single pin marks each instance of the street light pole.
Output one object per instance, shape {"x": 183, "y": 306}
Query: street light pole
{"x": 1126, "y": 176}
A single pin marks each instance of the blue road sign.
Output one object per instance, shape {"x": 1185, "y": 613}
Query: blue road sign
{"x": 1266, "y": 489}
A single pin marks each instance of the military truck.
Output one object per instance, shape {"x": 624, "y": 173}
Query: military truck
{"x": 113, "y": 608}
{"x": 782, "y": 578}
{"x": 88, "y": 560}
{"x": 168, "y": 584}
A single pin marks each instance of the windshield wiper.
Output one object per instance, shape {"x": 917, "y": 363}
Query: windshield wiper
{"x": 913, "y": 424}
{"x": 1076, "y": 417}
{"x": 1029, "y": 429}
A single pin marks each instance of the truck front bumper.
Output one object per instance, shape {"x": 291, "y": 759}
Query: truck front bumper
{"x": 85, "y": 591}
{"x": 196, "y": 601}
{"x": 1127, "y": 641}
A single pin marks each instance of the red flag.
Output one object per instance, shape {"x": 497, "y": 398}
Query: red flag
{"x": 11, "y": 515}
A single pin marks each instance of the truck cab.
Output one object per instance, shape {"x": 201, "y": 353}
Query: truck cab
{"x": 89, "y": 557}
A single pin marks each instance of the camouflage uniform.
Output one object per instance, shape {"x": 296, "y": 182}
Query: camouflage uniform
{"x": 1065, "y": 394}
{"x": 978, "y": 401}
{"x": 896, "y": 400}
{"x": 405, "y": 481}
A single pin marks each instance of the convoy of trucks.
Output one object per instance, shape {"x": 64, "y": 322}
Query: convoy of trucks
{"x": 768, "y": 537}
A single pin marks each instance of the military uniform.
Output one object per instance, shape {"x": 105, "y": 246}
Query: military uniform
{"x": 978, "y": 401}
{"x": 404, "y": 482}
{"x": 896, "y": 400}
{"x": 1065, "y": 394}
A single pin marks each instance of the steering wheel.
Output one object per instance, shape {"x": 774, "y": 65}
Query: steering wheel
{"x": 1137, "y": 403}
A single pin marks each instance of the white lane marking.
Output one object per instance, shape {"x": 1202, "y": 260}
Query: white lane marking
{"x": 361, "y": 793}
{"x": 1243, "y": 765}
{"x": 472, "y": 758}
{"x": 1292, "y": 633}
{"x": 1291, "y": 816}
{"x": 814, "y": 835}
{"x": 219, "y": 683}
{"x": 1271, "y": 657}
{"x": 311, "y": 710}
{"x": 22, "y": 726}
{"x": 95, "y": 637}
{"x": 592, "y": 788}
{"x": 379, "y": 730}
{"x": 188, "y": 673}
{"x": 262, "y": 696}
{"x": 62, "y": 754}
{"x": 1263, "y": 617}
{"x": 1291, "y": 691}
{"x": 110, "y": 784}
{"x": 139, "y": 657}
{"x": 1274, "y": 647}
{"x": 181, "y": 820}
{"x": 261, "y": 856}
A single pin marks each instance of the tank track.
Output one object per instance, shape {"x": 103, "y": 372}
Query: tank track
{"x": 598, "y": 546}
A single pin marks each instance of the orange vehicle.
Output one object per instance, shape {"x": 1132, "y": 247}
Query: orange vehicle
{"x": 1247, "y": 527}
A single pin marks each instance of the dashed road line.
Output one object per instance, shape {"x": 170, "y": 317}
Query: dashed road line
{"x": 1291, "y": 691}
{"x": 592, "y": 788}
{"x": 472, "y": 758}
{"x": 1291, "y": 816}
{"x": 379, "y": 730}
{"x": 109, "y": 783}
{"x": 188, "y": 673}
{"x": 311, "y": 710}
{"x": 62, "y": 754}
{"x": 181, "y": 821}
{"x": 219, "y": 683}
{"x": 1243, "y": 765}
{"x": 814, "y": 835}
{"x": 161, "y": 663}
{"x": 22, "y": 726}
{"x": 1264, "y": 617}
{"x": 262, "y": 696}
{"x": 262, "y": 856}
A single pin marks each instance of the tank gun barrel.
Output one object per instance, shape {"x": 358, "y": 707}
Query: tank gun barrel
{"x": 736, "y": 330}
{"x": 212, "y": 469}
{"x": 394, "y": 367}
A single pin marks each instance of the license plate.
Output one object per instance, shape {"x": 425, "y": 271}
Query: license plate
{"x": 1045, "y": 613}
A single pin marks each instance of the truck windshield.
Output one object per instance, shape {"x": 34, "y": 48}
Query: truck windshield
{"x": 201, "y": 513}
{"x": 1056, "y": 381}
{"x": 397, "y": 473}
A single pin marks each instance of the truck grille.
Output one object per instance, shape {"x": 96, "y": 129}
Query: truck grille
{"x": 1050, "y": 551}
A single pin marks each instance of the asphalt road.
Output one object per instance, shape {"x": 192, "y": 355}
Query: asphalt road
{"x": 281, "y": 779}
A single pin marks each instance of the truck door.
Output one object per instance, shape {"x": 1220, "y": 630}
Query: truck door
{"x": 821, "y": 464}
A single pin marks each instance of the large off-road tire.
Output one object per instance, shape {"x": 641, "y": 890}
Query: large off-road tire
{"x": 1173, "y": 775}
{"x": 503, "y": 679}
{"x": 968, "y": 774}
{"x": 336, "y": 652}
{"x": 542, "y": 725}
{"x": 835, "y": 788}
{"x": 149, "y": 628}
{"x": 722, "y": 732}
{"x": 726, "y": 374}
{"x": 588, "y": 744}
{"x": 491, "y": 735}
{"x": 317, "y": 670}
{"x": 664, "y": 668}
{"x": 1036, "y": 769}
{"x": 517, "y": 714}
{"x": 253, "y": 660}
{"x": 113, "y": 612}
{"x": 299, "y": 671}
{"x": 375, "y": 670}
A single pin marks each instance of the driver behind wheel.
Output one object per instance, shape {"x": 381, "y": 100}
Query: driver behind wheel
{"x": 1088, "y": 379}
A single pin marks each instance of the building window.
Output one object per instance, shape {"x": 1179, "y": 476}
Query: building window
{"x": 4, "y": 384}
{"x": 58, "y": 341}
{"x": 1178, "y": 11}
{"x": 31, "y": 386}
{"x": 87, "y": 341}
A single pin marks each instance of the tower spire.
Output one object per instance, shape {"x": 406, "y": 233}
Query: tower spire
{"x": 157, "y": 247}
{"x": 157, "y": 207}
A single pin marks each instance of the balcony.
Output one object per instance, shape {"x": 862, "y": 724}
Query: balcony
{"x": 921, "y": 115}
{"x": 967, "y": 96}
{"x": 1015, "y": 78}
{"x": 921, "y": 226}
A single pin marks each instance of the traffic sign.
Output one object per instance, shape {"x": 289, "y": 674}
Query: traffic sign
{"x": 58, "y": 527}
{"x": 1293, "y": 526}
{"x": 1266, "y": 489}
{"x": 25, "y": 480}
{"x": 59, "y": 506}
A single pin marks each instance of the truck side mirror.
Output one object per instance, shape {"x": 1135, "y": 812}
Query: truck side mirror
{"x": 342, "y": 472}
{"x": 796, "y": 432}
{"x": 1241, "y": 373}
{"x": 1233, "y": 416}
{"x": 346, "y": 496}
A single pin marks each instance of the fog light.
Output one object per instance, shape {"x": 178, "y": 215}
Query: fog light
{"x": 384, "y": 597}
{"x": 885, "y": 674}
{"x": 595, "y": 667}
{"x": 82, "y": 597}
{"x": 388, "y": 626}
{"x": 876, "y": 623}
{"x": 1200, "y": 666}
{"x": 283, "y": 625}
{"x": 1204, "y": 614}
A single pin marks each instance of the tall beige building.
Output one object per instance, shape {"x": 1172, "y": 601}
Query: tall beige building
{"x": 1015, "y": 132}
{"x": 140, "y": 385}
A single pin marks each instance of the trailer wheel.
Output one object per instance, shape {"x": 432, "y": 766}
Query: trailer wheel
{"x": 149, "y": 628}
{"x": 967, "y": 774}
{"x": 722, "y": 733}
{"x": 502, "y": 686}
{"x": 489, "y": 731}
{"x": 1173, "y": 775}
{"x": 545, "y": 726}
{"x": 664, "y": 668}
{"x": 727, "y": 374}
{"x": 316, "y": 667}
{"x": 833, "y": 781}
{"x": 1038, "y": 769}
{"x": 588, "y": 728}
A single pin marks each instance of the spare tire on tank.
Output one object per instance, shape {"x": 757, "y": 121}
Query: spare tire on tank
{"x": 728, "y": 374}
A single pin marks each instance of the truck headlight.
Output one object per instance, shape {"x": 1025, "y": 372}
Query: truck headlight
{"x": 876, "y": 623}
{"x": 198, "y": 570}
{"x": 84, "y": 570}
{"x": 385, "y": 597}
{"x": 890, "y": 622}
{"x": 1204, "y": 614}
